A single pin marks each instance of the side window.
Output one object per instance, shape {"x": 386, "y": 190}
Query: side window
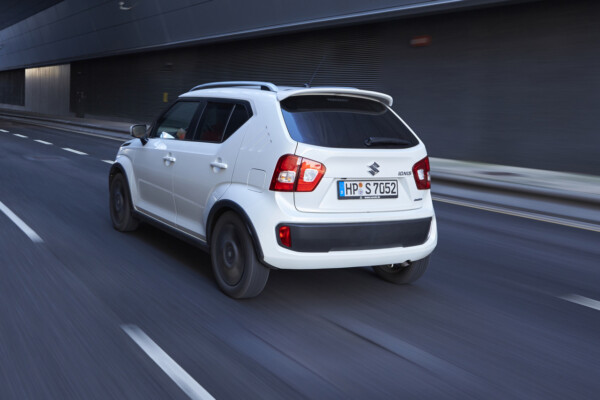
{"x": 238, "y": 117}
{"x": 220, "y": 120}
{"x": 176, "y": 123}
{"x": 213, "y": 122}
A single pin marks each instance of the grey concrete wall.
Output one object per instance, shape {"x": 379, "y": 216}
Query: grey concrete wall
{"x": 516, "y": 85}
{"x": 47, "y": 89}
{"x": 80, "y": 29}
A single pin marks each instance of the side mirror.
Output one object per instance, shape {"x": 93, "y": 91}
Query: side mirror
{"x": 139, "y": 131}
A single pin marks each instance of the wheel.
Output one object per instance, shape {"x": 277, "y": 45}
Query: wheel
{"x": 396, "y": 273}
{"x": 120, "y": 205}
{"x": 237, "y": 271}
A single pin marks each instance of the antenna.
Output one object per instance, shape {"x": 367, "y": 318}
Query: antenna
{"x": 316, "y": 71}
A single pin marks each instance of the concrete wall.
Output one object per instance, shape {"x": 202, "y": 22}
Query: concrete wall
{"x": 47, "y": 89}
{"x": 516, "y": 85}
{"x": 80, "y": 29}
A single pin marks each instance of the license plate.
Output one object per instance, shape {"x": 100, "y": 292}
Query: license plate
{"x": 350, "y": 190}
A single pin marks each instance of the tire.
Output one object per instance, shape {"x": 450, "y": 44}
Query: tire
{"x": 399, "y": 275}
{"x": 237, "y": 270}
{"x": 120, "y": 205}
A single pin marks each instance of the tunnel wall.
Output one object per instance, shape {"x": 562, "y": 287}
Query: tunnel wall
{"x": 12, "y": 87}
{"x": 516, "y": 85}
{"x": 47, "y": 89}
{"x": 82, "y": 29}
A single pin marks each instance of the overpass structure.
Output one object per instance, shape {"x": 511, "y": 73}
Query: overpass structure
{"x": 497, "y": 81}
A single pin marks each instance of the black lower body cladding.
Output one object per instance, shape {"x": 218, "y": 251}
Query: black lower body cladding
{"x": 317, "y": 238}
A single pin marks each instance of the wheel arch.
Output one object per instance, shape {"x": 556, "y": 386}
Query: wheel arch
{"x": 123, "y": 166}
{"x": 221, "y": 207}
{"x": 115, "y": 169}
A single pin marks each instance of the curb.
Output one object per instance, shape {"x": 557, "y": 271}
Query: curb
{"x": 515, "y": 187}
{"x": 105, "y": 131}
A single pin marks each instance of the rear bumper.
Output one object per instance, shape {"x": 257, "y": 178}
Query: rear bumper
{"x": 388, "y": 238}
{"x": 357, "y": 236}
{"x": 283, "y": 258}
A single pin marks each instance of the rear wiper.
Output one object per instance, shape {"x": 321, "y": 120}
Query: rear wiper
{"x": 382, "y": 141}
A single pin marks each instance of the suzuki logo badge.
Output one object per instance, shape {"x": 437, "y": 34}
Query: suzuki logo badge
{"x": 373, "y": 169}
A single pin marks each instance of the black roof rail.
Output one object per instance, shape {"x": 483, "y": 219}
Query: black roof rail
{"x": 263, "y": 85}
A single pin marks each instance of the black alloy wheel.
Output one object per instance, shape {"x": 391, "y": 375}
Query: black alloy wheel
{"x": 237, "y": 270}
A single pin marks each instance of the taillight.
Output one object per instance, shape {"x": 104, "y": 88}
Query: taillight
{"x": 284, "y": 177}
{"x": 421, "y": 173}
{"x": 296, "y": 174}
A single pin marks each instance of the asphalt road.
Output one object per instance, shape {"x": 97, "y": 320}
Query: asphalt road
{"x": 496, "y": 316}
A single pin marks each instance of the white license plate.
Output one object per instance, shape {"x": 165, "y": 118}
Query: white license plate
{"x": 348, "y": 190}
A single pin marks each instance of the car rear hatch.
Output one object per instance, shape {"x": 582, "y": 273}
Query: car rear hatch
{"x": 367, "y": 151}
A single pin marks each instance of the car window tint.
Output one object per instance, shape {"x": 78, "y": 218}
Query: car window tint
{"x": 175, "y": 124}
{"x": 238, "y": 117}
{"x": 344, "y": 122}
{"x": 213, "y": 121}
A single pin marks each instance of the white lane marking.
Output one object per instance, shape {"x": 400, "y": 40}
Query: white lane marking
{"x": 42, "y": 141}
{"x": 167, "y": 364}
{"x": 22, "y": 225}
{"x": 124, "y": 139}
{"x": 522, "y": 214}
{"x": 75, "y": 151}
{"x": 108, "y": 161}
{"x": 21, "y": 136}
{"x": 4, "y": 130}
{"x": 582, "y": 301}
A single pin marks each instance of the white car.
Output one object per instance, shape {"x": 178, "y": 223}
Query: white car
{"x": 266, "y": 177}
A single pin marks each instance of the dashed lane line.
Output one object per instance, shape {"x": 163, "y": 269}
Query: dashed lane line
{"x": 64, "y": 148}
{"x": 124, "y": 139}
{"x": 167, "y": 364}
{"x": 22, "y": 225}
{"x": 582, "y": 301}
{"x": 75, "y": 151}
{"x": 521, "y": 214}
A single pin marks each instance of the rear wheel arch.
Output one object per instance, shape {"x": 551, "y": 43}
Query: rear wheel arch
{"x": 220, "y": 208}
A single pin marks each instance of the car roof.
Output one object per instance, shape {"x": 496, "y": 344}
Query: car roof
{"x": 282, "y": 92}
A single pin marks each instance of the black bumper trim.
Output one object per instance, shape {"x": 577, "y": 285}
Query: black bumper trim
{"x": 322, "y": 238}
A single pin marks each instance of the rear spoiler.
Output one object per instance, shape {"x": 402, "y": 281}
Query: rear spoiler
{"x": 367, "y": 94}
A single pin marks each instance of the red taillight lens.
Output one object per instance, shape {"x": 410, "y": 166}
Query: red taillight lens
{"x": 421, "y": 173}
{"x": 285, "y": 236}
{"x": 298, "y": 174}
{"x": 286, "y": 171}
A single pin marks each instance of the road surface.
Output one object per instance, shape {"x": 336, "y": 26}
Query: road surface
{"x": 506, "y": 310}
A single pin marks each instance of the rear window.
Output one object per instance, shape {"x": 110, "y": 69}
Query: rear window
{"x": 344, "y": 122}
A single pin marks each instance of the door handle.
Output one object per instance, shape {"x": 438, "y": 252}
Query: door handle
{"x": 169, "y": 160}
{"x": 218, "y": 165}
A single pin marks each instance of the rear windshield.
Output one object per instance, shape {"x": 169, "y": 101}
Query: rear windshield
{"x": 344, "y": 122}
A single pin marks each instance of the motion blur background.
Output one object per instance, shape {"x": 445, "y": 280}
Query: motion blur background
{"x": 508, "y": 308}
{"x": 497, "y": 81}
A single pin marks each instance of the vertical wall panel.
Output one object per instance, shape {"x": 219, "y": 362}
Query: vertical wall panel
{"x": 516, "y": 85}
{"x": 12, "y": 87}
{"x": 47, "y": 89}
{"x": 133, "y": 86}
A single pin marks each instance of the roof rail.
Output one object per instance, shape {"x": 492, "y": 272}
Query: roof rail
{"x": 263, "y": 85}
